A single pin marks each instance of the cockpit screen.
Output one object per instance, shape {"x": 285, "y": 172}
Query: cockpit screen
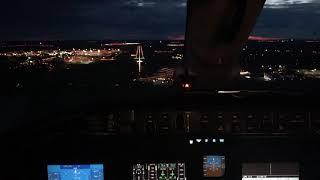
{"x": 213, "y": 166}
{"x": 270, "y": 171}
{"x": 75, "y": 172}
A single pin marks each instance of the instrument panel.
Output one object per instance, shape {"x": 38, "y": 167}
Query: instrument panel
{"x": 213, "y": 168}
{"x": 170, "y": 158}
{"x": 159, "y": 171}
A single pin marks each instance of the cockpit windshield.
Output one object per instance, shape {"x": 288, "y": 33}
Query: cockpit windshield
{"x": 143, "y": 43}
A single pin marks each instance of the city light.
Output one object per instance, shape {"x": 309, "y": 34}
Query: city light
{"x": 274, "y": 52}
{"x": 186, "y": 85}
{"x": 266, "y": 77}
{"x": 243, "y": 73}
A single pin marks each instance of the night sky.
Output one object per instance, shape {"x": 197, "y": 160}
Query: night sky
{"x": 139, "y": 19}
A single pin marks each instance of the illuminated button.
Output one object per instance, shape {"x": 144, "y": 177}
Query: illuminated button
{"x": 190, "y": 141}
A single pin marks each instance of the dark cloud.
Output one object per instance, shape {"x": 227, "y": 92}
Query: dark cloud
{"x": 135, "y": 19}
{"x": 297, "y": 20}
{"x": 113, "y": 19}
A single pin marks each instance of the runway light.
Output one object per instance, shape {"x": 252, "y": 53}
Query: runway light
{"x": 221, "y": 140}
{"x": 198, "y": 140}
{"x": 190, "y": 141}
{"x": 214, "y": 140}
{"x": 206, "y": 140}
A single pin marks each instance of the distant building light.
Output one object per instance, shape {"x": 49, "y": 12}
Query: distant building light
{"x": 186, "y": 86}
{"x": 206, "y": 140}
{"x": 245, "y": 73}
{"x": 198, "y": 140}
{"x": 266, "y": 77}
{"x": 214, "y": 140}
{"x": 221, "y": 140}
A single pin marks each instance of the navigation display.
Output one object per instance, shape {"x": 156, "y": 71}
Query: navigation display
{"x": 76, "y": 172}
{"x": 159, "y": 171}
{"x": 213, "y": 166}
{"x": 270, "y": 171}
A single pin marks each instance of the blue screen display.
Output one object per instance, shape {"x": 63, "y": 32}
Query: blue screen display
{"x": 214, "y": 166}
{"x": 76, "y": 172}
